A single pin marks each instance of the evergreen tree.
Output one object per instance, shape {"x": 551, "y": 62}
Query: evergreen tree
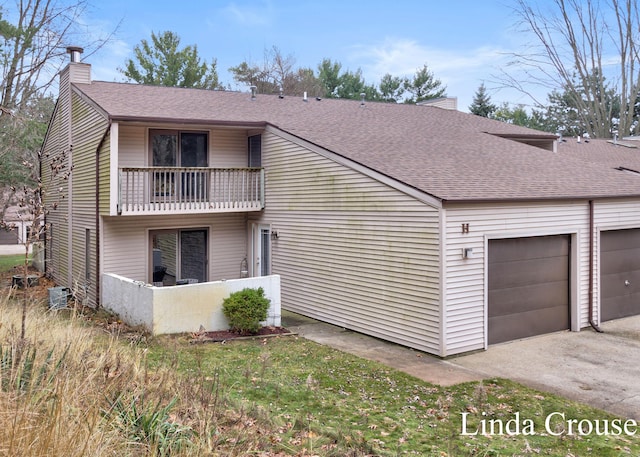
{"x": 329, "y": 76}
{"x": 572, "y": 113}
{"x": 348, "y": 84}
{"x": 482, "y": 105}
{"x": 391, "y": 88}
{"x": 161, "y": 63}
{"x": 423, "y": 86}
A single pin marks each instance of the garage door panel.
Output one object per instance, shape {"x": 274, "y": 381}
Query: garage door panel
{"x": 619, "y": 274}
{"x": 518, "y": 249}
{"x": 620, "y": 306}
{"x": 528, "y": 323}
{"x": 528, "y": 287}
{"x": 520, "y": 273}
{"x": 620, "y": 284}
{"x": 619, "y": 240}
{"x": 619, "y": 299}
{"x": 531, "y": 297}
{"x": 620, "y": 261}
{"x": 8, "y": 236}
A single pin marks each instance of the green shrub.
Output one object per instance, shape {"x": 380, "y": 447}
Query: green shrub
{"x": 245, "y": 310}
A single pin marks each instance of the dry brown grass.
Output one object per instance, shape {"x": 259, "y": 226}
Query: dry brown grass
{"x": 72, "y": 389}
{"x": 63, "y": 413}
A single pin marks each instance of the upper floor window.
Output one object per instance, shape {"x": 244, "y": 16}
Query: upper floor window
{"x": 172, "y": 148}
{"x": 255, "y": 151}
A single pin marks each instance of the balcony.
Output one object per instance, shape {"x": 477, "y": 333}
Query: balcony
{"x": 169, "y": 190}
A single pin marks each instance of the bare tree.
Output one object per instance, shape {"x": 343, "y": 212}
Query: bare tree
{"x": 277, "y": 73}
{"x": 34, "y": 35}
{"x": 33, "y": 208}
{"x": 585, "y": 49}
{"x": 33, "y": 47}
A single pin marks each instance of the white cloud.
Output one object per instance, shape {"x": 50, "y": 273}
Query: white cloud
{"x": 107, "y": 61}
{"x": 460, "y": 70}
{"x": 255, "y": 15}
{"x": 402, "y": 57}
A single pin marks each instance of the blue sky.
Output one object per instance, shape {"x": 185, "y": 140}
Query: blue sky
{"x": 463, "y": 42}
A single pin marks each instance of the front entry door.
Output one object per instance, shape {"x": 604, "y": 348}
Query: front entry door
{"x": 261, "y": 250}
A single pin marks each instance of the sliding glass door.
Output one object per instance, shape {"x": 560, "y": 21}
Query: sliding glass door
{"x": 179, "y": 256}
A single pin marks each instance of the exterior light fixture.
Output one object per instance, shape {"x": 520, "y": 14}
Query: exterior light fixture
{"x": 244, "y": 268}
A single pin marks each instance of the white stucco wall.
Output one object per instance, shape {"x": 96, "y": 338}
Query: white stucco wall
{"x": 186, "y": 308}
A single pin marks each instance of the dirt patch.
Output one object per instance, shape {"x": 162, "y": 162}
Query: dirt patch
{"x": 226, "y": 335}
{"x": 39, "y": 290}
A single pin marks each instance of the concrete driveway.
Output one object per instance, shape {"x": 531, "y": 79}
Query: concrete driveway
{"x": 599, "y": 369}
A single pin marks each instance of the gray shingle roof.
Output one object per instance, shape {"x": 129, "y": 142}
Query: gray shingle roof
{"x": 448, "y": 154}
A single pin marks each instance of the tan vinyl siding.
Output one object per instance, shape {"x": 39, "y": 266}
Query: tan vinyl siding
{"x": 56, "y": 189}
{"x": 88, "y": 130}
{"x": 228, "y": 148}
{"x": 80, "y": 73}
{"x": 351, "y": 250}
{"x": 228, "y": 245}
{"x": 127, "y": 242}
{"x": 465, "y": 286}
{"x": 132, "y": 146}
{"x": 105, "y": 176}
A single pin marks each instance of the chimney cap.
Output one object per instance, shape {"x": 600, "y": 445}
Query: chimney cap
{"x": 75, "y": 52}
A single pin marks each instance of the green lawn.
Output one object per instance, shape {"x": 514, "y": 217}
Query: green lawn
{"x": 9, "y": 261}
{"x": 295, "y": 397}
{"x": 328, "y": 402}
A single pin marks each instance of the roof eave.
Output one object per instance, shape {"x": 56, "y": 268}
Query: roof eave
{"x": 175, "y": 120}
{"x": 525, "y": 136}
{"x": 474, "y": 201}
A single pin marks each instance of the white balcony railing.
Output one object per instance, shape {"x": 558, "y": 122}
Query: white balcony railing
{"x": 166, "y": 190}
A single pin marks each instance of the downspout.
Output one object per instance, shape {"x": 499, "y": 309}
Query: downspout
{"x": 591, "y": 267}
{"x": 98, "y": 244}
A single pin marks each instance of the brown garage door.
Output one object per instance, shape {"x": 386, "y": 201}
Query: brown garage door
{"x": 619, "y": 273}
{"x": 528, "y": 287}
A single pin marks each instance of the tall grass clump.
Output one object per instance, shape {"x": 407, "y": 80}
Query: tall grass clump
{"x": 52, "y": 384}
{"x": 71, "y": 389}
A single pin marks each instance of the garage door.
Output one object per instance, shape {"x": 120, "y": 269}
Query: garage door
{"x": 619, "y": 273}
{"x": 528, "y": 287}
{"x": 8, "y": 236}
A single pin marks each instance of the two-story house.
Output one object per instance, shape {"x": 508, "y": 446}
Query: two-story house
{"x": 432, "y": 228}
